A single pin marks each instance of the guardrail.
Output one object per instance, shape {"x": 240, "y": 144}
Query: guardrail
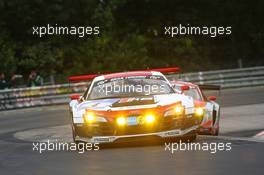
{"x": 39, "y": 96}
{"x": 232, "y": 78}
{"x": 59, "y": 94}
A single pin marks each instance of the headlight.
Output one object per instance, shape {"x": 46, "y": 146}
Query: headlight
{"x": 121, "y": 121}
{"x": 199, "y": 111}
{"x": 90, "y": 118}
{"x": 150, "y": 118}
{"x": 179, "y": 110}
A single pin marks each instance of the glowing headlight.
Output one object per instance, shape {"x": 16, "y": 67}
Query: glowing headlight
{"x": 178, "y": 110}
{"x": 149, "y": 118}
{"x": 121, "y": 121}
{"x": 89, "y": 117}
{"x": 199, "y": 111}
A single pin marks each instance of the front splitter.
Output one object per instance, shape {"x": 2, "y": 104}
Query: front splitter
{"x": 163, "y": 134}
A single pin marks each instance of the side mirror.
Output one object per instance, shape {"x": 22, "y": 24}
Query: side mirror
{"x": 75, "y": 97}
{"x": 212, "y": 98}
{"x": 185, "y": 88}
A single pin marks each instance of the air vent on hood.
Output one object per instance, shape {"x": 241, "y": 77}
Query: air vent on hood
{"x": 134, "y": 102}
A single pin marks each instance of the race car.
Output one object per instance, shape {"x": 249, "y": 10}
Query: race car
{"x": 205, "y": 107}
{"x": 130, "y": 105}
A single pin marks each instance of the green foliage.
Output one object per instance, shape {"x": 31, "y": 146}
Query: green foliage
{"x": 42, "y": 56}
{"x": 131, "y": 35}
{"x": 7, "y": 56}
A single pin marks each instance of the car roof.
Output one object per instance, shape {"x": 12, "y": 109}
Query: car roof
{"x": 127, "y": 74}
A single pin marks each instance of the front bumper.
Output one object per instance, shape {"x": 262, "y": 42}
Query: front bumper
{"x": 163, "y": 134}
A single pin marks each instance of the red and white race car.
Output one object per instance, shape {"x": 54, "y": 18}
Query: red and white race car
{"x": 206, "y": 107}
{"x": 126, "y": 105}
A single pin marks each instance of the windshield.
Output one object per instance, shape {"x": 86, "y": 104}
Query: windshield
{"x": 129, "y": 87}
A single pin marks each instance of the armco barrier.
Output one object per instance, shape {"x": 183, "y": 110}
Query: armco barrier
{"x": 227, "y": 78}
{"x": 39, "y": 96}
{"x": 59, "y": 94}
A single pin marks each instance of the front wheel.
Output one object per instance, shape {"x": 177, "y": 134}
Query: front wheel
{"x": 73, "y": 134}
{"x": 191, "y": 138}
{"x": 216, "y": 131}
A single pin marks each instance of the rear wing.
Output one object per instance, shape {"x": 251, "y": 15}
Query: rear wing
{"x": 209, "y": 87}
{"x": 164, "y": 70}
{"x": 90, "y": 77}
{"x": 79, "y": 78}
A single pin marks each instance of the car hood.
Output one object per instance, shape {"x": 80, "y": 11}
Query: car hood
{"x": 115, "y": 104}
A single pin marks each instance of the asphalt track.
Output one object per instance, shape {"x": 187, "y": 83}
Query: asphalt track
{"x": 242, "y": 119}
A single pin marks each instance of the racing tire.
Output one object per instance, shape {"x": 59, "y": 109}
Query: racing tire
{"x": 77, "y": 142}
{"x": 216, "y": 131}
{"x": 191, "y": 138}
{"x": 73, "y": 134}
